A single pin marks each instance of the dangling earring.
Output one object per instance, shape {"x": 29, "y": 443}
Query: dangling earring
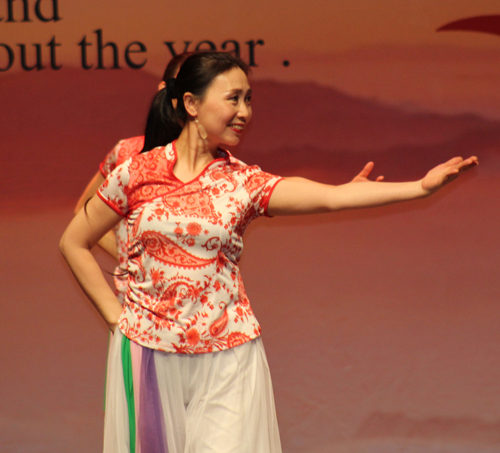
{"x": 201, "y": 129}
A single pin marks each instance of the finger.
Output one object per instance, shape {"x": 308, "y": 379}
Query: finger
{"x": 451, "y": 174}
{"x": 379, "y": 178}
{"x": 454, "y": 161}
{"x": 468, "y": 164}
{"x": 471, "y": 161}
{"x": 367, "y": 169}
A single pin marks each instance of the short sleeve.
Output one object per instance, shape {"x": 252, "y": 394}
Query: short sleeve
{"x": 260, "y": 186}
{"x": 123, "y": 150}
{"x": 109, "y": 162}
{"x": 113, "y": 190}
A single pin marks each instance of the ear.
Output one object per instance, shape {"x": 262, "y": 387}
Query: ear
{"x": 191, "y": 103}
{"x": 161, "y": 85}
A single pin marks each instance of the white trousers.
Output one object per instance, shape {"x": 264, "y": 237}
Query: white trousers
{"x": 159, "y": 402}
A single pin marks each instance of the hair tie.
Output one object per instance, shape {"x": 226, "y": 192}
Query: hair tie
{"x": 172, "y": 88}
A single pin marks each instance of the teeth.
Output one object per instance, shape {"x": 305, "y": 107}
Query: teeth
{"x": 237, "y": 126}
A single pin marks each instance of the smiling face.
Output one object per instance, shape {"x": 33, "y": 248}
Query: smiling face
{"x": 225, "y": 110}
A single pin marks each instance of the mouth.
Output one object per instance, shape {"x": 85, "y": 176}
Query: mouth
{"x": 238, "y": 128}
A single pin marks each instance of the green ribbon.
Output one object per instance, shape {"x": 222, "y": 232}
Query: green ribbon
{"x": 129, "y": 389}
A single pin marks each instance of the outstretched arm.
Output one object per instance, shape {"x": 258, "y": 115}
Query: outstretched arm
{"x": 306, "y": 197}
{"x": 82, "y": 234}
{"x": 108, "y": 241}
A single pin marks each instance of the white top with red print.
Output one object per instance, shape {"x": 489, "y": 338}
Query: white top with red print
{"x": 185, "y": 293}
{"x": 123, "y": 150}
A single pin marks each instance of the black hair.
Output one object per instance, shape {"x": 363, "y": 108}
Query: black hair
{"x": 164, "y": 123}
{"x": 173, "y": 66}
{"x": 154, "y": 133}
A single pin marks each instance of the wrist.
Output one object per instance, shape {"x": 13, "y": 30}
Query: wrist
{"x": 112, "y": 317}
{"x": 422, "y": 191}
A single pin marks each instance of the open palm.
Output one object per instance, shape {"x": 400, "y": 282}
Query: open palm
{"x": 446, "y": 172}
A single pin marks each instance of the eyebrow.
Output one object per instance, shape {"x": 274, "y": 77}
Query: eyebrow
{"x": 238, "y": 91}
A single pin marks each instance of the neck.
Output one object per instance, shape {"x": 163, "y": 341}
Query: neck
{"x": 193, "y": 153}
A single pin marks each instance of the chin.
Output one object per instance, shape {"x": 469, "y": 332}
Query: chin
{"x": 234, "y": 142}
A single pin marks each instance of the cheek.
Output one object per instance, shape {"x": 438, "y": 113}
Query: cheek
{"x": 216, "y": 115}
{"x": 225, "y": 117}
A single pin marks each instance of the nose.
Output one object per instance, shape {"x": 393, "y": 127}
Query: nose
{"x": 245, "y": 111}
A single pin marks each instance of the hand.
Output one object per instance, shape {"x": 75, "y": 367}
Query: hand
{"x": 447, "y": 172}
{"x": 112, "y": 319}
{"x": 112, "y": 326}
{"x": 363, "y": 175}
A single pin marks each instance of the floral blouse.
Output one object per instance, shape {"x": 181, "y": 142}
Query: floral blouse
{"x": 185, "y": 293}
{"x": 123, "y": 150}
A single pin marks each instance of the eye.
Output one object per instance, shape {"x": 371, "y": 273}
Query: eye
{"x": 248, "y": 99}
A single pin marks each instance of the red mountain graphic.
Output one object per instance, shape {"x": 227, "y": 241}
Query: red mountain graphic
{"x": 56, "y": 127}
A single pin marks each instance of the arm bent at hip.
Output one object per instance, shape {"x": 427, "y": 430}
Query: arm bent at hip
{"x": 84, "y": 231}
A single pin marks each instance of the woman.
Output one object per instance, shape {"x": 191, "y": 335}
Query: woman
{"x": 187, "y": 370}
{"x": 114, "y": 242}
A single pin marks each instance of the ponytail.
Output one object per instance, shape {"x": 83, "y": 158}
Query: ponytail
{"x": 197, "y": 72}
{"x": 162, "y": 125}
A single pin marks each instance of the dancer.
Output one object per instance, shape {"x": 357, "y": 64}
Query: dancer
{"x": 114, "y": 242}
{"x": 187, "y": 369}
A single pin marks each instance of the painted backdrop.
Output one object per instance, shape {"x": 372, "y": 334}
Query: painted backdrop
{"x": 381, "y": 326}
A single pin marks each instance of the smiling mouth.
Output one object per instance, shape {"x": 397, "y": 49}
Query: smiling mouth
{"x": 237, "y": 127}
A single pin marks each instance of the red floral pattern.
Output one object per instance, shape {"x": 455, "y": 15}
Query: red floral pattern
{"x": 123, "y": 150}
{"x": 185, "y": 293}
{"x": 168, "y": 252}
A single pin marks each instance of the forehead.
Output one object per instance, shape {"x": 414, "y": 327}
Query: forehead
{"x": 232, "y": 80}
